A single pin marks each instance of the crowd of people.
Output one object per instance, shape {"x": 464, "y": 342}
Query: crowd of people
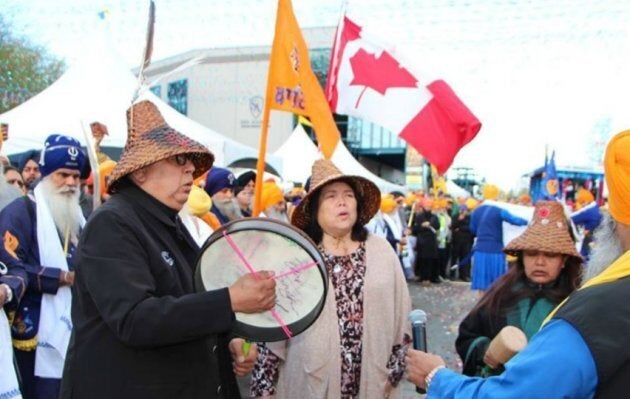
{"x": 100, "y": 301}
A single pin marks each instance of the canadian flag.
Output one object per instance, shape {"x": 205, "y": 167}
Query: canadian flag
{"x": 366, "y": 80}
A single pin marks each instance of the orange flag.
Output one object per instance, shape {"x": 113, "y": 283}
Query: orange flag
{"x": 293, "y": 87}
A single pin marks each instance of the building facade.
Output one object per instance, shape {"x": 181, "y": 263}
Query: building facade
{"x": 225, "y": 91}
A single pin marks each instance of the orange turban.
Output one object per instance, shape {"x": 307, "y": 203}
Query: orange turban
{"x": 584, "y": 196}
{"x": 427, "y": 202}
{"x": 388, "y": 203}
{"x": 105, "y": 170}
{"x": 617, "y": 172}
{"x": 490, "y": 192}
{"x": 471, "y": 203}
{"x": 271, "y": 194}
{"x": 411, "y": 198}
{"x": 440, "y": 203}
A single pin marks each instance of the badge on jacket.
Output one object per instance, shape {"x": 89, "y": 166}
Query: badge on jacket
{"x": 168, "y": 258}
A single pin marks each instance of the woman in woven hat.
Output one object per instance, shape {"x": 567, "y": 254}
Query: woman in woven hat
{"x": 356, "y": 346}
{"x": 140, "y": 328}
{"x": 547, "y": 270}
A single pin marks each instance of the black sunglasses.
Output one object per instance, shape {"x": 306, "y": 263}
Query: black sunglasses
{"x": 181, "y": 159}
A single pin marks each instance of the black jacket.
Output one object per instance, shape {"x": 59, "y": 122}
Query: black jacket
{"x": 600, "y": 314}
{"x": 461, "y": 231}
{"x": 140, "y": 331}
{"x": 426, "y": 243}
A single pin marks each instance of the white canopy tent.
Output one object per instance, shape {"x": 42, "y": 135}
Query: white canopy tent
{"x": 455, "y": 190}
{"x": 100, "y": 88}
{"x": 298, "y": 153}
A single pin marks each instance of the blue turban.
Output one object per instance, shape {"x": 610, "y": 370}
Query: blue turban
{"x": 218, "y": 179}
{"x": 28, "y": 156}
{"x": 61, "y": 152}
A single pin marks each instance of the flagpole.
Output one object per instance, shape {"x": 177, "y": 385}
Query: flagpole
{"x": 260, "y": 164}
{"x": 262, "y": 151}
{"x": 333, "y": 59}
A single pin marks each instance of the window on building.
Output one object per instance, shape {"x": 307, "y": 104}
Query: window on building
{"x": 157, "y": 90}
{"x": 320, "y": 59}
{"x": 178, "y": 95}
{"x": 366, "y": 135}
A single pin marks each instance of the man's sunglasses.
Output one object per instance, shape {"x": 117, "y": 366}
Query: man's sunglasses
{"x": 181, "y": 159}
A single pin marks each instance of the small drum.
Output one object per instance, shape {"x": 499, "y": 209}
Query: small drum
{"x": 256, "y": 244}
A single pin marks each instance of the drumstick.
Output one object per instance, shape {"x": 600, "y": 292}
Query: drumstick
{"x": 413, "y": 209}
{"x": 246, "y": 347}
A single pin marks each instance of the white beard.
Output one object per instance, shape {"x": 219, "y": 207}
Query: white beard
{"x": 272, "y": 213}
{"x": 607, "y": 248}
{"x": 64, "y": 207}
{"x": 228, "y": 208}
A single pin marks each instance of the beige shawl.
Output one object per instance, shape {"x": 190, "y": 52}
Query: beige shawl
{"x": 310, "y": 364}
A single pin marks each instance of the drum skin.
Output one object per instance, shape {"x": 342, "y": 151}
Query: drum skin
{"x": 267, "y": 244}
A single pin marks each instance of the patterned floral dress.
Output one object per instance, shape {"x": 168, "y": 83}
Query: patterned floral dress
{"x": 347, "y": 274}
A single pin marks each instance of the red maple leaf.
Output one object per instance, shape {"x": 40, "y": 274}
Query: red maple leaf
{"x": 379, "y": 73}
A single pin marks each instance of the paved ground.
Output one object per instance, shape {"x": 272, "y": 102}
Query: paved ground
{"x": 446, "y": 304}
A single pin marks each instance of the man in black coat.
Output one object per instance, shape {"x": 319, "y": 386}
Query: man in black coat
{"x": 425, "y": 227}
{"x": 462, "y": 242}
{"x": 140, "y": 330}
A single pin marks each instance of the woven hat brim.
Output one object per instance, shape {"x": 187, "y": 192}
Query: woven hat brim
{"x": 366, "y": 209}
{"x": 158, "y": 145}
{"x": 545, "y": 239}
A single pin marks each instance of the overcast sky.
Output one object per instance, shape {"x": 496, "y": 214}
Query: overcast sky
{"x": 534, "y": 72}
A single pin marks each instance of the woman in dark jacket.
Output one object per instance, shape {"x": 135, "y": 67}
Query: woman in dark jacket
{"x": 547, "y": 270}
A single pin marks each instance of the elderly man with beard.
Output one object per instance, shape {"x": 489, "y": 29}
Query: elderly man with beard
{"x": 41, "y": 235}
{"x": 582, "y": 350}
{"x": 141, "y": 329}
{"x": 272, "y": 202}
{"x": 220, "y": 184}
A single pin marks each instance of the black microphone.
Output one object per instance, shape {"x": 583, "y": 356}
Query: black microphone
{"x": 418, "y": 320}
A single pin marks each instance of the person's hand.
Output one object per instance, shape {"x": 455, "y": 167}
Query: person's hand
{"x": 66, "y": 279}
{"x": 420, "y": 364}
{"x": 403, "y": 241}
{"x": 425, "y": 224}
{"x": 251, "y": 295}
{"x": 388, "y": 389}
{"x": 242, "y": 364}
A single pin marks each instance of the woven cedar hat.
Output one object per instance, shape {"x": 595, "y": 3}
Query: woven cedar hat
{"x": 548, "y": 232}
{"x": 325, "y": 172}
{"x": 150, "y": 139}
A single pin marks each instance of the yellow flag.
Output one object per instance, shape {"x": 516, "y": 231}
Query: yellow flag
{"x": 292, "y": 86}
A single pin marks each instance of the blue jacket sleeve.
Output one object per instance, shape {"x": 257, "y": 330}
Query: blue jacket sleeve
{"x": 557, "y": 363}
{"x": 15, "y": 278}
{"x": 16, "y": 222}
{"x": 473, "y": 223}
{"x": 512, "y": 219}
